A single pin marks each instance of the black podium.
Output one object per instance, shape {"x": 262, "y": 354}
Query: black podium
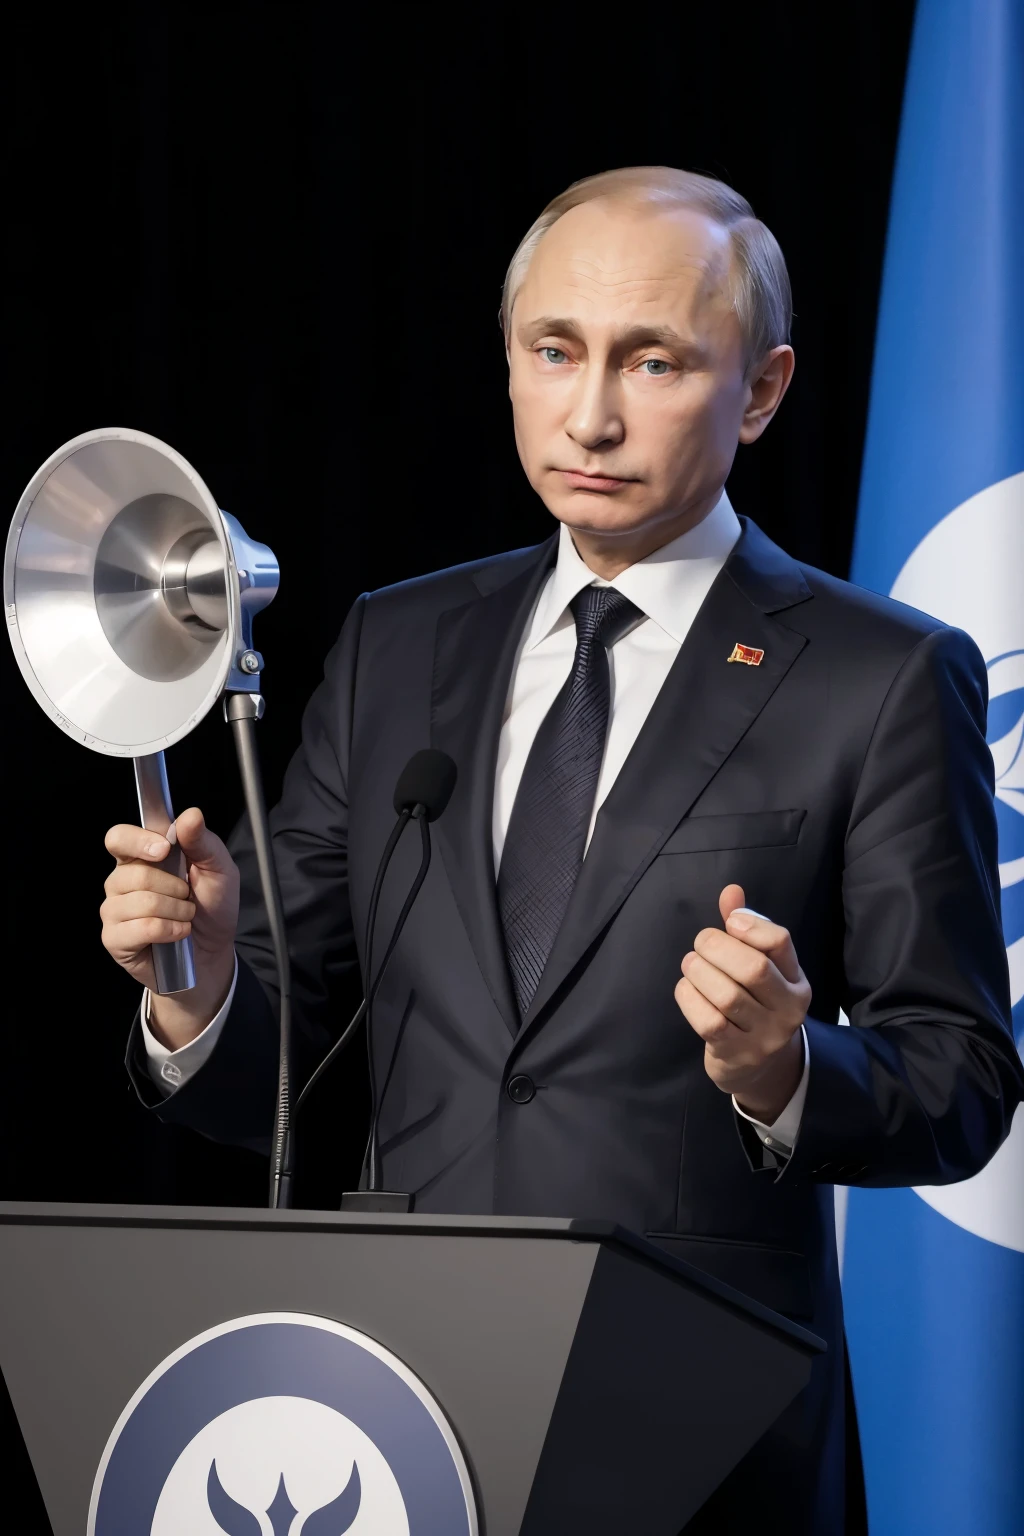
{"x": 592, "y": 1382}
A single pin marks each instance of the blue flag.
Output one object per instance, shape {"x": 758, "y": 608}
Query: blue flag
{"x": 933, "y": 1278}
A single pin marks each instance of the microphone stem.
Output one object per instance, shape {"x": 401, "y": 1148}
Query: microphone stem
{"x": 242, "y": 710}
{"x": 348, "y": 1033}
{"x": 371, "y": 919}
{"x": 421, "y": 875}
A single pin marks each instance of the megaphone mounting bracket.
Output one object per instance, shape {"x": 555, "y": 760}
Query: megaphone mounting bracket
{"x": 258, "y": 577}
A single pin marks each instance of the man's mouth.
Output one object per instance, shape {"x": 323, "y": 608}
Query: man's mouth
{"x": 600, "y": 483}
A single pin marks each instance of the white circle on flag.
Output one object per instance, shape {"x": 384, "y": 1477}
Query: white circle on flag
{"x": 967, "y": 571}
{"x": 964, "y": 570}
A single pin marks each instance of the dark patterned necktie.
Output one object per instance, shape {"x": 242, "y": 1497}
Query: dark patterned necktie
{"x": 547, "y": 830}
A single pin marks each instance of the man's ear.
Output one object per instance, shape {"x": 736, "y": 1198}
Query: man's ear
{"x": 768, "y": 383}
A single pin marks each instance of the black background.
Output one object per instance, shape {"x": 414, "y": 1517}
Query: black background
{"x": 275, "y": 237}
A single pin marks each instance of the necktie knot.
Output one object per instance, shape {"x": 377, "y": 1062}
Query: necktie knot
{"x": 602, "y": 615}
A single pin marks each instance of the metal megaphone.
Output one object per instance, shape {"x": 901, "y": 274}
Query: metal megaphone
{"x": 130, "y": 598}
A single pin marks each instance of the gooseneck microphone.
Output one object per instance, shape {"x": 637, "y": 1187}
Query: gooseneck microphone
{"x": 425, "y": 784}
{"x": 423, "y": 791}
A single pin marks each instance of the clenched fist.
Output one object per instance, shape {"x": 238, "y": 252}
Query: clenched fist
{"x": 745, "y": 995}
{"x": 146, "y": 905}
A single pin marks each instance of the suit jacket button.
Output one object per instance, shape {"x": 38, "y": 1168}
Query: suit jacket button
{"x": 520, "y": 1089}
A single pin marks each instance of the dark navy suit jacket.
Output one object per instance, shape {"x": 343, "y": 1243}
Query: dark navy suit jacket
{"x": 844, "y": 782}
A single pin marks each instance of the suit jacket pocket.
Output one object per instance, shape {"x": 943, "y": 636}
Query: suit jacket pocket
{"x": 747, "y": 829}
{"x": 776, "y": 1277}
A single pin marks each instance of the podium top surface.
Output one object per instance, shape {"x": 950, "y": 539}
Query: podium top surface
{"x": 552, "y": 1228}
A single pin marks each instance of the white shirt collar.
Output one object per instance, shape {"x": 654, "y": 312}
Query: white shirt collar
{"x": 668, "y": 586}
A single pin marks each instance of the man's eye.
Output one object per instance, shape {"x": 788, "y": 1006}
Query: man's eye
{"x": 552, "y": 354}
{"x": 656, "y": 367}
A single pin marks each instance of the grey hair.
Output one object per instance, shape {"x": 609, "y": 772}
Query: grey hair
{"x": 762, "y": 298}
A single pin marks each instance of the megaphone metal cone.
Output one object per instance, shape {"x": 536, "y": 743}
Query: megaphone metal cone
{"x": 129, "y": 599}
{"x": 127, "y": 605}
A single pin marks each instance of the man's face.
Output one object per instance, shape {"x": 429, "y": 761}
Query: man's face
{"x": 627, "y": 367}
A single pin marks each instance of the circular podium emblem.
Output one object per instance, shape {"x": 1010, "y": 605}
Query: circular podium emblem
{"x": 281, "y": 1424}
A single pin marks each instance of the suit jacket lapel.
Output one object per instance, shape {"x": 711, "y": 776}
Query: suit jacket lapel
{"x": 474, "y": 654}
{"x": 702, "y": 712}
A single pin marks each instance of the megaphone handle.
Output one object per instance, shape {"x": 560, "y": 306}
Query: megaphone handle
{"x": 173, "y": 963}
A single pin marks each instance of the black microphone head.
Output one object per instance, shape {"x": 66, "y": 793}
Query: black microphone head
{"x": 427, "y": 779}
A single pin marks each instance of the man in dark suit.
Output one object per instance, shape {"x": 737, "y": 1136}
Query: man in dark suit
{"x": 707, "y": 798}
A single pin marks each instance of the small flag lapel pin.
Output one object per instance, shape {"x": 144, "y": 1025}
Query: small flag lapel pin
{"x": 748, "y": 654}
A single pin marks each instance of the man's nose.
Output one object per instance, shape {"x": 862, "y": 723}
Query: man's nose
{"x": 595, "y": 417}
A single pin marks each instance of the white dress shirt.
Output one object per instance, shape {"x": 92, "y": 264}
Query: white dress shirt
{"x": 668, "y": 588}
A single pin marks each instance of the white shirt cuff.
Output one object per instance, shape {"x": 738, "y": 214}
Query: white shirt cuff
{"x": 171, "y": 1069}
{"x": 782, "y": 1133}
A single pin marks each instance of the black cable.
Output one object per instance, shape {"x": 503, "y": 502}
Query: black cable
{"x": 349, "y": 1032}
{"x": 373, "y": 1172}
{"x": 344, "y": 1039}
{"x": 371, "y": 919}
{"x": 242, "y": 710}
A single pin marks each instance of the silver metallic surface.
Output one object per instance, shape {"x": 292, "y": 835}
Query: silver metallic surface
{"x": 243, "y": 706}
{"x": 141, "y": 593}
{"x": 174, "y": 964}
{"x": 129, "y": 595}
{"x": 192, "y": 583}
